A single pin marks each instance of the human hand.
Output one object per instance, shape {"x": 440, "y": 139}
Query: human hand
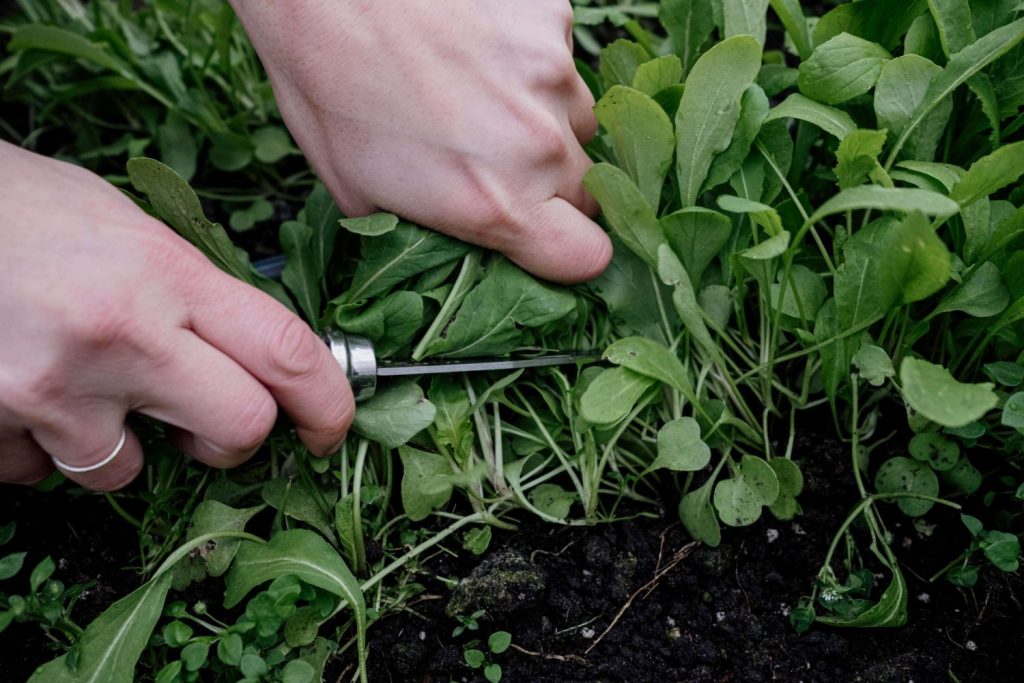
{"x": 107, "y": 312}
{"x": 465, "y": 116}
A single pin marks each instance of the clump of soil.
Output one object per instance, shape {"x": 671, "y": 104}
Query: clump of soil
{"x": 719, "y": 614}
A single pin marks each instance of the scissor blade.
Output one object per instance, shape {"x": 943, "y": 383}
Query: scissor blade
{"x": 479, "y": 365}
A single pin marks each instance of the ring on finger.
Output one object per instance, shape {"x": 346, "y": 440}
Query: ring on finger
{"x": 95, "y": 466}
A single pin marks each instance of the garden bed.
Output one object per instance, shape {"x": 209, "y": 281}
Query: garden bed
{"x": 716, "y": 614}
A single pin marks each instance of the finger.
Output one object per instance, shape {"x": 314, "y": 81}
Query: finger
{"x": 581, "y": 112}
{"x": 223, "y": 411}
{"x": 283, "y": 353}
{"x": 22, "y": 461}
{"x": 559, "y": 243}
{"x": 572, "y": 190}
{"x": 85, "y": 439}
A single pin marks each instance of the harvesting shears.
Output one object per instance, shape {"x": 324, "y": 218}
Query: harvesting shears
{"x": 358, "y": 360}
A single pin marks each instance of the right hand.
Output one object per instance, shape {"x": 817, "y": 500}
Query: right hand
{"x": 107, "y": 312}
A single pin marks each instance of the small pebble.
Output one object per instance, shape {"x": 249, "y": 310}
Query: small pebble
{"x": 971, "y": 645}
{"x": 719, "y": 617}
{"x": 587, "y": 632}
{"x": 924, "y": 597}
{"x": 799, "y": 530}
{"x": 785, "y": 609}
{"x": 423, "y": 635}
{"x": 773, "y": 535}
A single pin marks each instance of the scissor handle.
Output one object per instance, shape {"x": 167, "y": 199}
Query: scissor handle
{"x": 357, "y": 359}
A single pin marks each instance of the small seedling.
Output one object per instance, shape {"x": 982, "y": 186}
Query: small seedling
{"x": 475, "y": 658}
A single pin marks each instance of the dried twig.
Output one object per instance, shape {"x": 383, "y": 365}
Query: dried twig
{"x": 646, "y": 589}
{"x": 575, "y": 659}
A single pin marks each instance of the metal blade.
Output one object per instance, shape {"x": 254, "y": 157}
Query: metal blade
{"x": 481, "y": 365}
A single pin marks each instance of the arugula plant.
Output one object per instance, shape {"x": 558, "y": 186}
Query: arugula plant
{"x": 835, "y": 226}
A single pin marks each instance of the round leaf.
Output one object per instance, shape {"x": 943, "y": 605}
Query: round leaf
{"x": 1013, "y": 411}
{"x": 931, "y": 391}
{"x": 903, "y": 475}
{"x": 934, "y": 449}
{"x": 680, "y": 447}
{"x": 499, "y": 642}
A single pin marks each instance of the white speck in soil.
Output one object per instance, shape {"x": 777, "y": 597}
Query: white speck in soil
{"x": 587, "y": 632}
{"x": 772, "y": 534}
{"x": 924, "y": 597}
{"x": 670, "y": 621}
{"x": 907, "y": 542}
{"x": 799, "y": 530}
{"x": 423, "y": 635}
{"x": 971, "y": 645}
{"x": 719, "y": 617}
{"x": 785, "y": 609}
{"x": 587, "y": 573}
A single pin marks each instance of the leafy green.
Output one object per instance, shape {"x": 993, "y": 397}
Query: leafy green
{"x": 395, "y": 414}
{"x": 841, "y": 68}
{"x": 932, "y": 391}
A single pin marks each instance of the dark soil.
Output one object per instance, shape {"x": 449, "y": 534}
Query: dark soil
{"x": 90, "y": 545}
{"x": 719, "y": 615}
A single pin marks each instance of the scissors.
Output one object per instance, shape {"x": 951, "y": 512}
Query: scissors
{"x": 358, "y": 359}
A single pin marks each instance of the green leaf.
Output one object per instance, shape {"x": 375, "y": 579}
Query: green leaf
{"x": 745, "y": 17}
{"x": 301, "y": 627}
{"x": 7, "y": 532}
{"x": 753, "y": 111}
{"x": 194, "y": 655}
{"x": 857, "y": 158}
{"x": 297, "y": 499}
{"x": 321, "y": 214}
{"x": 370, "y": 226}
{"x": 981, "y": 295}
{"x": 248, "y": 216}
{"x": 684, "y": 298}
{"x": 253, "y": 666}
{"x": 298, "y": 671}
{"x": 499, "y": 642}
{"x": 301, "y": 272}
{"x": 791, "y": 485}
{"x": 964, "y": 477}
{"x": 698, "y": 516}
{"x": 874, "y": 364}
{"x": 177, "y": 145}
{"x": 1002, "y": 549}
{"x": 553, "y": 500}
{"x": 689, "y": 25}
{"x": 176, "y": 203}
{"x": 831, "y": 120}
{"x": 658, "y": 74}
{"x": 390, "y": 323}
{"x": 710, "y": 108}
{"x": 406, "y": 251}
{"x": 902, "y": 86}
{"x": 611, "y": 396}
{"x": 792, "y": 17}
{"x": 739, "y": 500}
{"x": 903, "y": 199}
{"x": 631, "y": 294}
{"x": 230, "y": 152}
{"x": 648, "y": 357}
{"x": 631, "y": 217}
{"x": 229, "y": 649}
{"x": 953, "y": 19}
{"x": 801, "y": 297}
{"x": 271, "y": 144}
{"x": 620, "y": 61}
{"x": 395, "y": 414}
{"x": 61, "y": 41}
{"x": 696, "y": 235}
{"x": 931, "y": 391}
{"x": 1013, "y": 412}
{"x": 474, "y": 658}
{"x": 40, "y": 573}
{"x": 889, "y": 611}
{"x": 903, "y": 475}
{"x": 111, "y": 645}
{"x": 11, "y": 564}
{"x": 936, "y": 450}
{"x": 1005, "y": 373}
{"x": 476, "y": 541}
{"x": 452, "y": 419}
{"x": 641, "y": 135}
{"x": 494, "y": 313}
{"x": 208, "y": 517}
{"x": 426, "y": 482}
{"x": 842, "y": 68}
{"x": 990, "y": 173}
{"x": 680, "y": 448}
{"x": 961, "y": 67}
{"x": 880, "y": 21}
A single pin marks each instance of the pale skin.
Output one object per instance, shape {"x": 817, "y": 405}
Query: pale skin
{"x": 466, "y": 116}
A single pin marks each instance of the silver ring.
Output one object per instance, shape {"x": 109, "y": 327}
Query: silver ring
{"x": 102, "y": 463}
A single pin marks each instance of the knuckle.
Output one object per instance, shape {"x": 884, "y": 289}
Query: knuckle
{"x": 294, "y": 350}
{"x": 547, "y": 140}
